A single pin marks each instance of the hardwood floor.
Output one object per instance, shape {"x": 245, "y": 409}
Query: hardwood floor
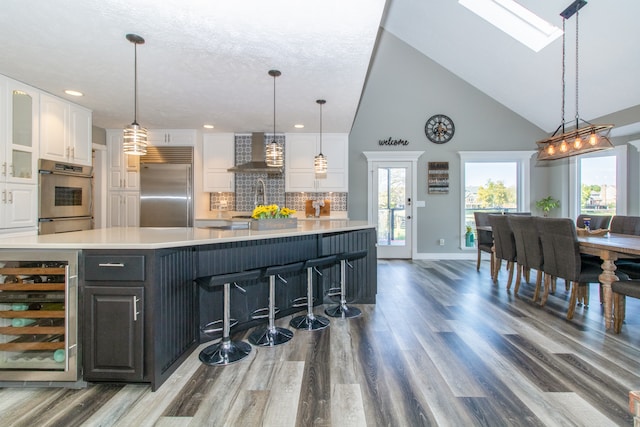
{"x": 443, "y": 346}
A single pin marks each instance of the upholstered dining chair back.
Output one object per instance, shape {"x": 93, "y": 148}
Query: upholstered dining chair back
{"x": 503, "y": 240}
{"x": 528, "y": 245}
{"x": 560, "y": 247}
{"x": 484, "y": 238}
{"x": 598, "y": 222}
{"x": 622, "y": 224}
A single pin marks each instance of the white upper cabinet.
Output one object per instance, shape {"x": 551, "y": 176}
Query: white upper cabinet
{"x": 19, "y": 139}
{"x": 124, "y": 169}
{"x": 300, "y": 150}
{"x": 65, "y": 131}
{"x": 218, "y": 156}
{"x": 159, "y": 137}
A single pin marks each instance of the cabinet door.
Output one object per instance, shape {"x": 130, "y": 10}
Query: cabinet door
{"x": 54, "y": 128}
{"x": 299, "y": 152}
{"x": 131, "y": 208}
{"x": 172, "y": 137}
{"x": 21, "y": 151}
{"x": 123, "y": 209}
{"x": 80, "y": 135}
{"x": 336, "y": 148}
{"x": 113, "y": 333}
{"x": 19, "y": 206}
{"x": 124, "y": 170}
{"x": 218, "y": 156}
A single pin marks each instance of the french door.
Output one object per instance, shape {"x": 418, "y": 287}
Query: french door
{"x": 391, "y": 208}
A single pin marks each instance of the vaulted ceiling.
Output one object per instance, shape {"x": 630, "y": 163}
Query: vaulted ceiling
{"x": 207, "y": 62}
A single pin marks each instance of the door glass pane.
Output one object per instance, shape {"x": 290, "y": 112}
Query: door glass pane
{"x": 391, "y": 206}
{"x": 598, "y": 185}
{"x": 21, "y": 164}
{"x": 22, "y": 119}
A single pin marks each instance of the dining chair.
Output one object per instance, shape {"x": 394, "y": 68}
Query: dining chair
{"x": 622, "y": 289}
{"x": 622, "y": 224}
{"x": 561, "y": 253}
{"x": 528, "y": 250}
{"x": 597, "y": 222}
{"x": 484, "y": 239}
{"x": 504, "y": 245}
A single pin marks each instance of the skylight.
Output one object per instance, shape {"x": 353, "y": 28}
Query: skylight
{"x": 515, "y": 20}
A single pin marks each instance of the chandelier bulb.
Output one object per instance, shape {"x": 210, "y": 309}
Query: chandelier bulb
{"x": 593, "y": 139}
{"x": 578, "y": 142}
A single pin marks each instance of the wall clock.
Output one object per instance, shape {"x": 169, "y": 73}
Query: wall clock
{"x": 439, "y": 129}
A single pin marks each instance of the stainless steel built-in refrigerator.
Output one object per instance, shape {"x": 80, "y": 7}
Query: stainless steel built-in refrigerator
{"x": 166, "y": 195}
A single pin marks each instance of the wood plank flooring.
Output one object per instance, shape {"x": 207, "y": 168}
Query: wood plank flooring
{"x": 443, "y": 346}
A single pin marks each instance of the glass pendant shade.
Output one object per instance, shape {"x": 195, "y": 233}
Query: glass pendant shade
{"x": 274, "y": 155}
{"x": 135, "y": 140}
{"x": 320, "y": 164}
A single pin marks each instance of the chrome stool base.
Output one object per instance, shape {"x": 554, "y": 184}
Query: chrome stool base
{"x": 222, "y": 353}
{"x": 342, "y": 310}
{"x": 309, "y": 323}
{"x": 269, "y": 337}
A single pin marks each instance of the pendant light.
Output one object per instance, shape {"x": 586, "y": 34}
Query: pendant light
{"x": 580, "y": 140}
{"x": 320, "y": 161}
{"x": 273, "y": 157}
{"x": 135, "y": 136}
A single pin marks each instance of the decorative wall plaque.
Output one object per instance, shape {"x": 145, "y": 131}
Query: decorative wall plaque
{"x": 438, "y": 178}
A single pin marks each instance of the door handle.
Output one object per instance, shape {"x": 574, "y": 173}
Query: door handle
{"x": 135, "y": 308}
{"x": 408, "y": 216}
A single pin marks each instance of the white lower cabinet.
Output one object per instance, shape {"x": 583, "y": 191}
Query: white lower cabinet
{"x": 123, "y": 209}
{"x": 18, "y": 205}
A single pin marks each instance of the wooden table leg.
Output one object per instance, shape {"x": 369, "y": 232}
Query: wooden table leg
{"x": 607, "y": 277}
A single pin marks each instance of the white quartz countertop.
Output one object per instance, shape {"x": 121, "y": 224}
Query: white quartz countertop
{"x": 159, "y": 238}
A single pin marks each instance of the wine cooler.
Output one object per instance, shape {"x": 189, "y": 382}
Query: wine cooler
{"x": 38, "y": 317}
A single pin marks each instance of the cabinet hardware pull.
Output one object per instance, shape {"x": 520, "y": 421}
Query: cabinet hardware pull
{"x": 4, "y": 196}
{"x": 135, "y": 309}
{"x": 10, "y": 196}
{"x": 4, "y": 169}
{"x": 111, "y": 264}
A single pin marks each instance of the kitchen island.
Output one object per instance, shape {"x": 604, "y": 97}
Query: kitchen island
{"x": 139, "y": 311}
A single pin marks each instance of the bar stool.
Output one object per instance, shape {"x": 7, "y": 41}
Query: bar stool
{"x": 309, "y": 321}
{"x": 342, "y": 310}
{"x": 272, "y": 335}
{"x": 226, "y": 351}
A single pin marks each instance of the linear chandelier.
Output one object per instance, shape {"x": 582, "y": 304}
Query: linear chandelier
{"x": 588, "y": 138}
{"x": 134, "y": 136}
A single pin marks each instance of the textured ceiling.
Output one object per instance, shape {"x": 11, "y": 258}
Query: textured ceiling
{"x": 206, "y": 61}
{"x": 526, "y": 82}
{"x": 203, "y": 61}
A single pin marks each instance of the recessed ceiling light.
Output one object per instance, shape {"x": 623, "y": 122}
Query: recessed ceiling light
{"x": 298, "y": 126}
{"x": 515, "y": 20}
{"x": 73, "y": 92}
{"x": 208, "y": 126}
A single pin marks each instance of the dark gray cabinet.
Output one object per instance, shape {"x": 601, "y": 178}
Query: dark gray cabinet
{"x": 114, "y": 333}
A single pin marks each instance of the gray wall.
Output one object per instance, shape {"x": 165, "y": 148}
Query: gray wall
{"x": 403, "y": 90}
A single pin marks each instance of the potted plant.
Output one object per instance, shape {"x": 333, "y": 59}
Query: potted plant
{"x": 468, "y": 237}
{"x": 547, "y": 204}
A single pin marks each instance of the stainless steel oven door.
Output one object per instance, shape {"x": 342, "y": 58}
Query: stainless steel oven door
{"x": 64, "y": 195}
{"x": 64, "y": 225}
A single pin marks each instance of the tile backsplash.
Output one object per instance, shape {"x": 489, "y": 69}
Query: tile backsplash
{"x": 245, "y": 184}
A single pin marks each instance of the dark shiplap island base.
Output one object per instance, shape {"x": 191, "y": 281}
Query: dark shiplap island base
{"x": 155, "y": 282}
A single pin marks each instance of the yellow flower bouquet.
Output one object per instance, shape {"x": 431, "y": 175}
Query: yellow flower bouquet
{"x": 277, "y": 218}
{"x": 271, "y": 211}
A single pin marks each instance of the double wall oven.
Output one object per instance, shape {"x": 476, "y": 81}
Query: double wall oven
{"x": 66, "y": 200}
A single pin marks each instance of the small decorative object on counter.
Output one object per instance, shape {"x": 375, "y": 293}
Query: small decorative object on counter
{"x": 272, "y": 217}
{"x": 468, "y": 237}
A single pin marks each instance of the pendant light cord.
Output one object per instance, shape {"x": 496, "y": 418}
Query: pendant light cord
{"x": 274, "y": 107}
{"x": 563, "y": 68}
{"x": 135, "y": 83}
{"x": 577, "y": 75}
{"x": 321, "y": 128}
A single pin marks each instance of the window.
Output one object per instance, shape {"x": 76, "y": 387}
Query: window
{"x": 493, "y": 181}
{"x": 598, "y": 183}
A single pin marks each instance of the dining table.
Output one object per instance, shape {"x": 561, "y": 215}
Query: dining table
{"x": 609, "y": 248}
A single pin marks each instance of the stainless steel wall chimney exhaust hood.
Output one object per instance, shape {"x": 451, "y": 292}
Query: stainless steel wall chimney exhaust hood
{"x": 257, "y": 163}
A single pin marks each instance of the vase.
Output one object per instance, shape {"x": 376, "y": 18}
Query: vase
{"x": 468, "y": 239}
{"x": 274, "y": 223}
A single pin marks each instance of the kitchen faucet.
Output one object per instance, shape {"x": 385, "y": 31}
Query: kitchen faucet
{"x": 260, "y": 193}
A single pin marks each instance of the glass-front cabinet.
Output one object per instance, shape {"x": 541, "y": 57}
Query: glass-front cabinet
{"x": 38, "y": 316}
{"x": 21, "y": 105}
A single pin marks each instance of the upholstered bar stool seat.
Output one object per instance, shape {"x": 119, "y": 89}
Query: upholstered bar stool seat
{"x": 271, "y": 334}
{"x": 310, "y": 321}
{"x": 342, "y": 310}
{"x": 226, "y": 351}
